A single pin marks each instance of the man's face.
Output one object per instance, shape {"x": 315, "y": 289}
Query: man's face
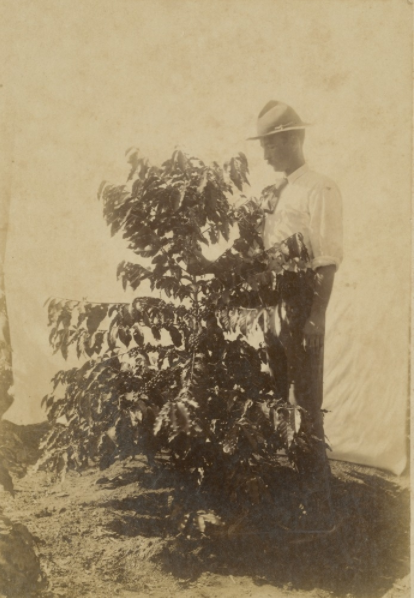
{"x": 277, "y": 151}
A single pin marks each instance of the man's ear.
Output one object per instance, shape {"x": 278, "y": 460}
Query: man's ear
{"x": 295, "y": 143}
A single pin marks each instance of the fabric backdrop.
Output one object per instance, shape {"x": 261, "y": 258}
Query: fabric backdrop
{"x": 85, "y": 80}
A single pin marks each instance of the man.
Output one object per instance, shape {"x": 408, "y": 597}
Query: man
{"x": 308, "y": 203}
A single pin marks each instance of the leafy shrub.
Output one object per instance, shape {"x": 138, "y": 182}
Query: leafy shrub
{"x": 174, "y": 375}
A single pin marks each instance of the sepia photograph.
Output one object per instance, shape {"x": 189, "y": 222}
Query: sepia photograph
{"x": 205, "y": 298}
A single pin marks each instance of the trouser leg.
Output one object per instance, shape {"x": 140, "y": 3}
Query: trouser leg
{"x": 313, "y": 465}
{"x": 308, "y": 380}
{"x": 292, "y": 364}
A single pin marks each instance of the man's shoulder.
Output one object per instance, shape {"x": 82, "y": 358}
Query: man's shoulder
{"x": 317, "y": 182}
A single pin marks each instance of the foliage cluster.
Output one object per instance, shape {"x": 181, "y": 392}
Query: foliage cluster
{"x": 173, "y": 375}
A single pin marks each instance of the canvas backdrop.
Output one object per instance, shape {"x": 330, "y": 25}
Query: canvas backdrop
{"x": 84, "y": 80}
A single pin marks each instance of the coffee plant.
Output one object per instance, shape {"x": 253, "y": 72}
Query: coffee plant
{"x": 173, "y": 375}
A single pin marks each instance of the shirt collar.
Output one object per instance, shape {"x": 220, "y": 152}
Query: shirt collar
{"x": 293, "y": 176}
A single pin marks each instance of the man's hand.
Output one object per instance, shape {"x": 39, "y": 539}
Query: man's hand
{"x": 275, "y": 263}
{"x": 314, "y": 331}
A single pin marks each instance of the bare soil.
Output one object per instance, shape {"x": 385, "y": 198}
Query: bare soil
{"x": 112, "y": 533}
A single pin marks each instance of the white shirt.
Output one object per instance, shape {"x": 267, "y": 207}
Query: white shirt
{"x": 311, "y": 204}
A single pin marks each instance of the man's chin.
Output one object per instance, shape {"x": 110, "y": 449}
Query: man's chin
{"x": 278, "y": 169}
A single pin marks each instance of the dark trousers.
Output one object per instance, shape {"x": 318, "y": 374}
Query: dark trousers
{"x": 292, "y": 365}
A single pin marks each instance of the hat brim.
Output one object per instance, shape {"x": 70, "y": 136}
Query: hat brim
{"x": 280, "y": 130}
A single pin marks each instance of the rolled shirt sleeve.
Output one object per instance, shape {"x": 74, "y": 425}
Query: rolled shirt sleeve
{"x": 325, "y": 226}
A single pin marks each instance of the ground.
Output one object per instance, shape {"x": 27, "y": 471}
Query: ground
{"x": 111, "y": 533}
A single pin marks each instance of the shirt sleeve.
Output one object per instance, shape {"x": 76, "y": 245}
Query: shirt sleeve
{"x": 326, "y": 236}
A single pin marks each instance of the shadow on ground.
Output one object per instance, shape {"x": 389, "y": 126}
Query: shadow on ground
{"x": 366, "y": 554}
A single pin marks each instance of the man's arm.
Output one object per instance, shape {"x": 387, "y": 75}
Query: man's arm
{"x": 314, "y": 329}
{"x": 325, "y": 231}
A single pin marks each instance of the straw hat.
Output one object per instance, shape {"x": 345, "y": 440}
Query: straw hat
{"x": 277, "y": 117}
